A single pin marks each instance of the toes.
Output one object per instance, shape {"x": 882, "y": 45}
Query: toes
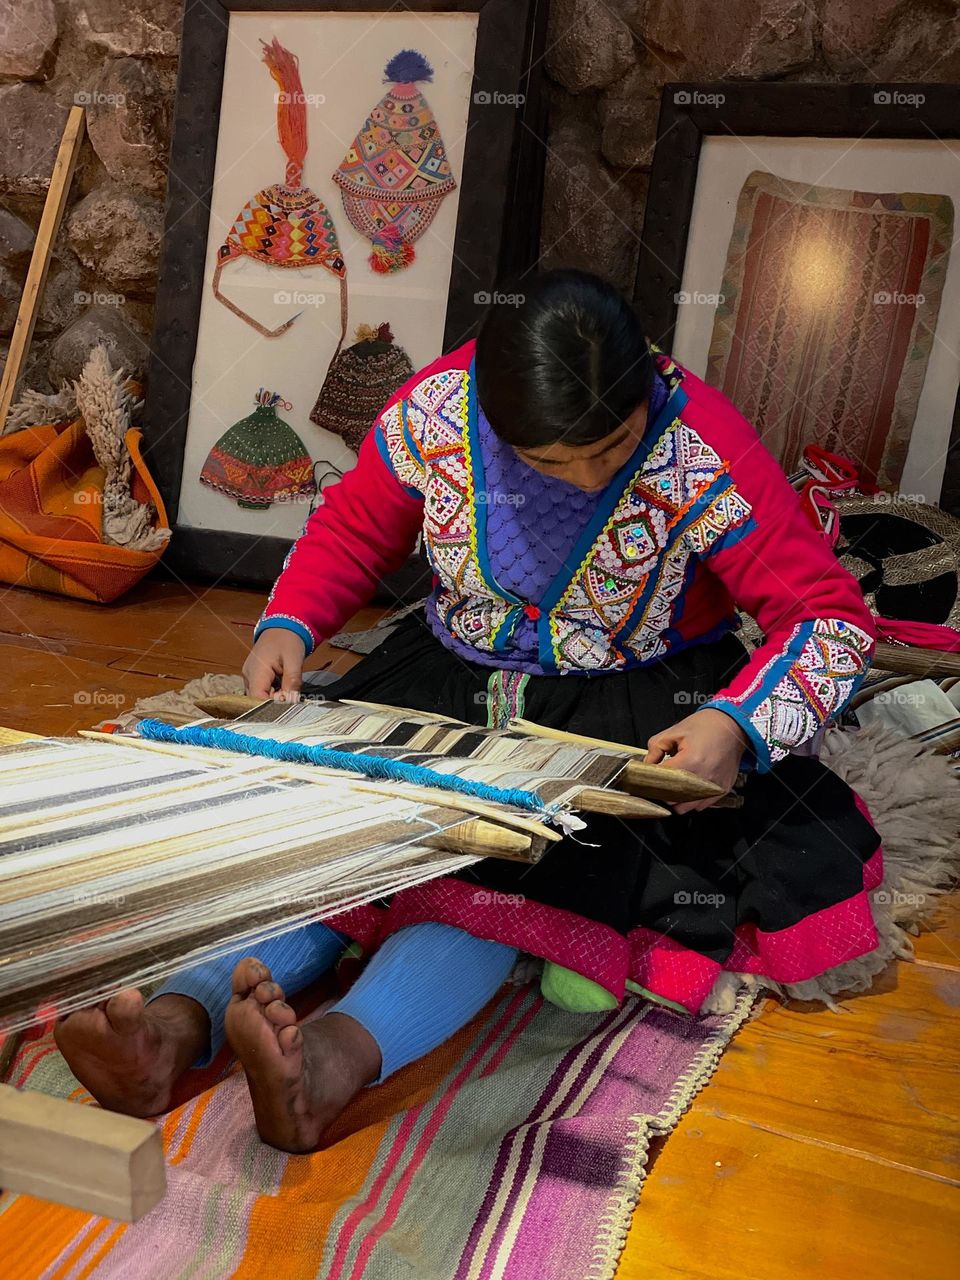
{"x": 248, "y": 974}
{"x": 124, "y": 1012}
{"x": 267, "y": 992}
{"x": 280, "y": 1014}
{"x": 290, "y": 1039}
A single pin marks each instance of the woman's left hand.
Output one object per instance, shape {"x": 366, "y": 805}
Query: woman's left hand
{"x": 709, "y": 743}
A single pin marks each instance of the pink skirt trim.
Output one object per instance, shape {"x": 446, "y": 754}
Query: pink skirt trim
{"x": 665, "y": 967}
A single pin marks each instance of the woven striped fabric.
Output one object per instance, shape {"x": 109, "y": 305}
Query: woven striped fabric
{"x": 122, "y": 864}
{"x": 516, "y": 1150}
{"x": 502, "y": 757}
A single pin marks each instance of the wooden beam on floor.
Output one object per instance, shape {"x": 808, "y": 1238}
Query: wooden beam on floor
{"x": 79, "y": 1156}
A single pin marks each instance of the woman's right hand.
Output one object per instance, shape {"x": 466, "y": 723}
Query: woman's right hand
{"x": 276, "y": 658}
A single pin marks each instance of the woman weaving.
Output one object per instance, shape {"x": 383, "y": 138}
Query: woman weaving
{"x": 594, "y": 514}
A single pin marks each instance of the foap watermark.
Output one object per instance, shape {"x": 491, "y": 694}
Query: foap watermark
{"x": 495, "y": 98}
{"x": 894, "y": 898}
{"x": 94, "y": 98}
{"x": 900, "y": 698}
{"x": 298, "y": 298}
{"x": 697, "y": 299}
{"x": 495, "y": 299}
{"x": 894, "y": 97}
{"x": 99, "y": 299}
{"x": 697, "y": 98}
{"x": 686, "y": 898}
{"x": 86, "y": 898}
{"x": 98, "y": 698}
{"x": 88, "y": 498}
{"x": 691, "y": 698}
{"x": 298, "y": 99}
{"x": 493, "y": 898}
{"x": 485, "y": 499}
{"x": 884, "y": 298}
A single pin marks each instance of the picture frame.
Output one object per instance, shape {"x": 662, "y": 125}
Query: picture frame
{"x": 496, "y": 226}
{"x": 742, "y": 130}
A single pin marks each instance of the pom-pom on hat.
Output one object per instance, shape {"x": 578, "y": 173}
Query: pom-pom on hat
{"x": 396, "y": 172}
{"x": 287, "y": 224}
{"x": 358, "y": 384}
{"x": 260, "y": 459}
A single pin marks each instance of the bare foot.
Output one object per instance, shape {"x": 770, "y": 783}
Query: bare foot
{"x": 300, "y": 1078}
{"x": 129, "y": 1054}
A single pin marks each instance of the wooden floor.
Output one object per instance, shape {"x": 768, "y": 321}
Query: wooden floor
{"x": 825, "y": 1146}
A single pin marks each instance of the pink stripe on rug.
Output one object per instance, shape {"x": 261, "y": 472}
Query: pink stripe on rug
{"x": 362, "y": 1210}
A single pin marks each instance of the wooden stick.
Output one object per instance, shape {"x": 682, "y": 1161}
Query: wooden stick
{"x": 663, "y": 783}
{"x": 228, "y": 706}
{"x": 622, "y": 805}
{"x": 79, "y": 1155}
{"x": 912, "y": 660}
{"x": 577, "y": 739}
{"x": 53, "y": 208}
{"x": 656, "y": 781}
{"x": 482, "y": 840}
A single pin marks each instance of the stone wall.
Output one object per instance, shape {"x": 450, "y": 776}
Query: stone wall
{"x": 606, "y": 60}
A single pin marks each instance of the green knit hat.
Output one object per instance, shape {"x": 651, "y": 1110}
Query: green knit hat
{"x": 260, "y": 459}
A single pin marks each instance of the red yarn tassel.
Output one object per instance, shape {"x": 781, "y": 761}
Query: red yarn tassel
{"x": 291, "y": 107}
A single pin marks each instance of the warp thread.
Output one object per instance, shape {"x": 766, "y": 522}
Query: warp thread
{"x": 327, "y": 757}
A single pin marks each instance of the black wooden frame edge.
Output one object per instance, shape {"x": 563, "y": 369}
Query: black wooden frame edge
{"x": 769, "y": 109}
{"x": 486, "y": 248}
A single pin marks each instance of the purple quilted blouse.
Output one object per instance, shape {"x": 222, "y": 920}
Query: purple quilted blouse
{"x": 533, "y": 523}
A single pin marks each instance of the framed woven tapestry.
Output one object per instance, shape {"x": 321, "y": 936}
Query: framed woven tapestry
{"x": 799, "y": 255}
{"x": 348, "y": 182}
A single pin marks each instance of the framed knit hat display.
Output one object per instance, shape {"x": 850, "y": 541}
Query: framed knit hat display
{"x": 349, "y": 182}
{"x": 396, "y": 171}
{"x": 799, "y": 254}
{"x": 359, "y": 382}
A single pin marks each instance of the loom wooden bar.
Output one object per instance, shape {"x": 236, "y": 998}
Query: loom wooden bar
{"x": 662, "y": 783}
{"x": 618, "y": 803}
{"x": 481, "y": 839}
{"x": 579, "y": 739}
{"x": 79, "y": 1156}
{"x": 655, "y": 781}
{"x": 912, "y": 660}
{"x": 53, "y": 208}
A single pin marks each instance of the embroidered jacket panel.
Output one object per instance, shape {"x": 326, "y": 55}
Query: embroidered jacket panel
{"x": 699, "y": 520}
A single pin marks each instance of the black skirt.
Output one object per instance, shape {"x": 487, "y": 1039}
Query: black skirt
{"x": 779, "y": 886}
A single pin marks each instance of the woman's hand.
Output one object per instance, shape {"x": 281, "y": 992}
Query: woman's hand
{"x": 276, "y": 657}
{"x": 709, "y": 743}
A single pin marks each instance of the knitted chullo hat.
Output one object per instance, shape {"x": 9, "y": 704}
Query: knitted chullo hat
{"x": 286, "y": 225}
{"x": 358, "y": 384}
{"x": 396, "y": 172}
{"x": 260, "y": 459}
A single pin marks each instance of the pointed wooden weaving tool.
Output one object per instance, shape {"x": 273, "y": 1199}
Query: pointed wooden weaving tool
{"x": 655, "y": 781}
{"x": 79, "y": 1156}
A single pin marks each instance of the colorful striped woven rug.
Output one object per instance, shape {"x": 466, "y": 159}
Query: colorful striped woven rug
{"x": 515, "y": 1150}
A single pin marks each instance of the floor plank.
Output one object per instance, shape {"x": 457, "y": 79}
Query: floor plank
{"x": 901, "y": 1105}
{"x": 727, "y": 1200}
{"x": 940, "y": 942}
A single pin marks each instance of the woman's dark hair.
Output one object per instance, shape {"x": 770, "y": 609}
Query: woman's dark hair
{"x": 563, "y": 360}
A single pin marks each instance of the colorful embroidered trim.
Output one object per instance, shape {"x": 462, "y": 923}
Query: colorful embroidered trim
{"x": 803, "y": 687}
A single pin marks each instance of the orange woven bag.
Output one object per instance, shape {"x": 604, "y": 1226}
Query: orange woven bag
{"x": 51, "y": 515}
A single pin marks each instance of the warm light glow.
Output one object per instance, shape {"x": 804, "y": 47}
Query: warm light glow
{"x": 818, "y": 272}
